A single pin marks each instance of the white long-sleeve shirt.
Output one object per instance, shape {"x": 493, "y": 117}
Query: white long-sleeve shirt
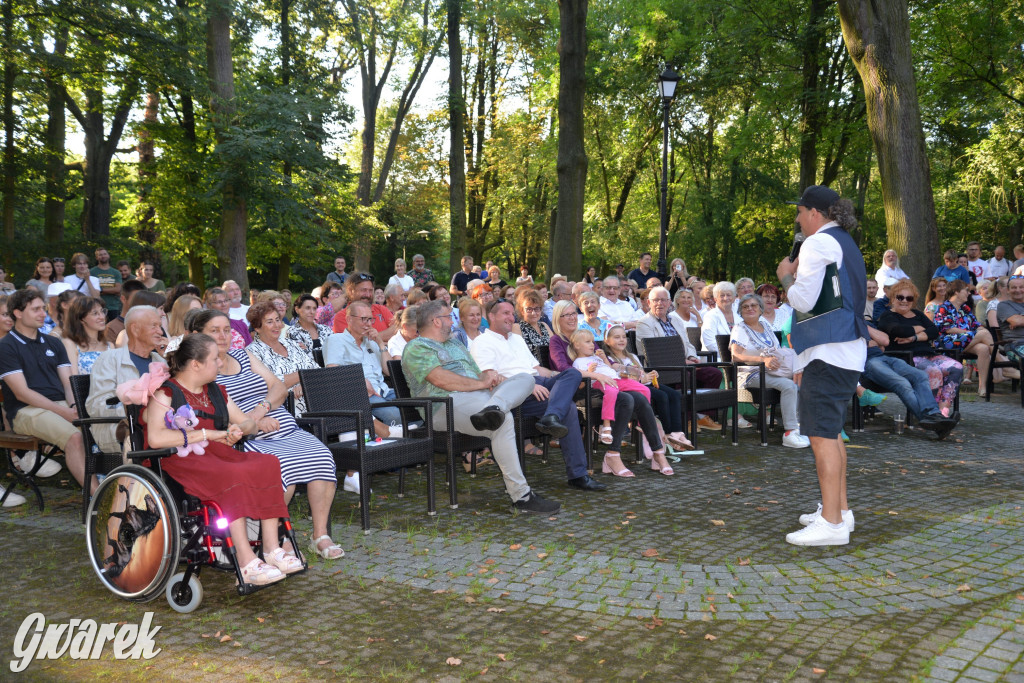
{"x": 819, "y": 250}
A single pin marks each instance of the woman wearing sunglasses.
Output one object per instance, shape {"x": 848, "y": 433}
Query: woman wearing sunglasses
{"x": 910, "y": 330}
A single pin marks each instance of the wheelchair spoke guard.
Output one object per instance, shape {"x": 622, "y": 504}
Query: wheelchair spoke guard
{"x": 133, "y": 533}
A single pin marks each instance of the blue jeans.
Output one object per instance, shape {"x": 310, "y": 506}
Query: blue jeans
{"x": 560, "y": 404}
{"x": 389, "y": 415}
{"x": 909, "y": 383}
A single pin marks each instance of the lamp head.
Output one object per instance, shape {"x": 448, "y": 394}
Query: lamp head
{"x": 667, "y": 83}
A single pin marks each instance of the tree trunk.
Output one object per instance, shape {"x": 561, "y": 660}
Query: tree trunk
{"x": 812, "y": 103}
{"x": 56, "y": 129}
{"x": 565, "y": 252}
{"x": 10, "y": 73}
{"x": 147, "y": 170}
{"x": 877, "y": 34}
{"x": 231, "y": 252}
{"x": 456, "y": 155}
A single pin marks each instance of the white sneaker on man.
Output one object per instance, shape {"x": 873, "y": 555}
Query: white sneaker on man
{"x": 352, "y": 483}
{"x": 820, "y": 532}
{"x": 847, "y": 518}
{"x": 741, "y": 423}
{"x": 47, "y": 469}
{"x": 794, "y": 439}
{"x": 13, "y": 500}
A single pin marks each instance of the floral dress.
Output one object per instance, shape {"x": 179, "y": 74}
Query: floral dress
{"x": 298, "y": 359}
{"x": 948, "y": 317}
{"x": 532, "y": 337}
{"x": 298, "y": 335}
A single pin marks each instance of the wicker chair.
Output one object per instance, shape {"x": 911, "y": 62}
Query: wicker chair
{"x": 760, "y": 395}
{"x": 96, "y": 461}
{"x": 338, "y": 396}
{"x": 1015, "y": 384}
{"x": 667, "y": 355}
{"x": 693, "y": 334}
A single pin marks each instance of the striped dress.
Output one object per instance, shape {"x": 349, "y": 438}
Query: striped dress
{"x": 303, "y": 457}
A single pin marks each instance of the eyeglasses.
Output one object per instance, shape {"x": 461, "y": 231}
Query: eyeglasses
{"x": 570, "y": 314}
{"x": 908, "y": 299}
{"x": 366, "y": 320}
{"x": 659, "y": 300}
{"x": 533, "y": 309}
{"x": 1017, "y": 277}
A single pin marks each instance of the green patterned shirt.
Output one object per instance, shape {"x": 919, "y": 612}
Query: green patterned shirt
{"x": 422, "y": 355}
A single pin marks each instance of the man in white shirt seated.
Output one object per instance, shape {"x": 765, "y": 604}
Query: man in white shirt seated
{"x": 613, "y": 308}
{"x": 236, "y": 309}
{"x": 498, "y": 348}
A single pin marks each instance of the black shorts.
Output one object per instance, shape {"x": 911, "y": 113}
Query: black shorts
{"x": 824, "y": 392}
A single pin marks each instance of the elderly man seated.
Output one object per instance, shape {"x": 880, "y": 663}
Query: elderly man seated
{"x": 662, "y": 322}
{"x": 124, "y": 364}
{"x": 501, "y": 350}
{"x": 438, "y": 366}
{"x": 615, "y": 310}
{"x": 1010, "y": 315}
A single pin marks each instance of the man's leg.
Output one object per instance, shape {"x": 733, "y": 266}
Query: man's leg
{"x": 909, "y": 383}
{"x": 389, "y": 415}
{"x": 511, "y": 393}
{"x": 54, "y": 429}
{"x": 830, "y": 461}
{"x": 561, "y": 405}
{"x": 503, "y": 439}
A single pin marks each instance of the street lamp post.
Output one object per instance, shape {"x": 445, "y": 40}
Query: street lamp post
{"x": 666, "y": 89}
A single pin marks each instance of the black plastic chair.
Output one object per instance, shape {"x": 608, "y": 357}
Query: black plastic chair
{"x": 338, "y": 396}
{"x": 1000, "y": 344}
{"x": 760, "y": 395}
{"x": 96, "y": 461}
{"x": 667, "y": 355}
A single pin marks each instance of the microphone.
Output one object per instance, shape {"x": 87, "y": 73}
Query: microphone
{"x": 798, "y": 241}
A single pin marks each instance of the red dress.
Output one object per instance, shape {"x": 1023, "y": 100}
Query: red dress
{"x": 243, "y": 484}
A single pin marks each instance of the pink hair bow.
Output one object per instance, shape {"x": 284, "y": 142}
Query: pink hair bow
{"x": 139, "y": 391}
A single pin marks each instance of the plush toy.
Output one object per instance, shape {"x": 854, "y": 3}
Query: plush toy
{"x": 185, "y": 418}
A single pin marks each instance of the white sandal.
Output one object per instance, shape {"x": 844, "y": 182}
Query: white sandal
{"x": 286, "y": 562}
{"x": 326, "y": 553}
{"x": 259, "y": 573}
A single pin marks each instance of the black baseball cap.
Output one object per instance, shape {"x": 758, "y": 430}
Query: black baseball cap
{"x": 818, "y": 197}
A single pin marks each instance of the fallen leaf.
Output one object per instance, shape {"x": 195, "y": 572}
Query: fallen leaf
{"x": 541, "y": 556}
{"x": 650, "y": 552}
{"x": 260, "y": 619}
{"x": 774, "y": 502}
{"x": 492, "y": 580}
{"x": 708, "y": 636}
{"x": 963, "y": 588}
{"x": 737, "y": 492}
{"x": 625, "y": 521}
{"x": 718, "y": 522}
{"x": 532, "y": 547}
{"x": 490, "y": 560}
{"x": 375, "y": 640}
{"x": 893, "y": 512}
{"x": 890, "y": 573}
{"x": 484, "y": 670}
{"x": 990, "y": 471}
{"x": 817, "y": 670}
{"x": 496, "y": 610}
{"x": 552, "y": 519}
{"x": 217, "y": 634}
{"x": 762, "y": 508}
{"x": 207, "y": 635}
{"x": 544, "y": 633}
{"x": 237, "y": 644}
{"x": 515, "y": 546}
{"x": 470, "y": 599}
{"x": 580, "y": 638}
{"x": 682, "y": 632}
{"x": 225, "y": 639}
{"x": 502, "y": 657}
{"x": 440, "y": 590}
{"x": 453, "y": 661}
{"x": 744, "y": 561}
{"x": 323, "y": 661}
{"x": 730, "y": 596}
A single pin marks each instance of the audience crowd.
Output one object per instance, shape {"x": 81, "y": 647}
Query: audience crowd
{"x": 489, "y": 345}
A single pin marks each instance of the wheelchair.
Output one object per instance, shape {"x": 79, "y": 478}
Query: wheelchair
{"x": 140, "y": 525}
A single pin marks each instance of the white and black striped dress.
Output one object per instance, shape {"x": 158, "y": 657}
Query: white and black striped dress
{"x": 303, "y": 457}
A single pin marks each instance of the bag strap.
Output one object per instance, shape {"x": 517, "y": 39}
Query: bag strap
{"x": 220, "y": 406}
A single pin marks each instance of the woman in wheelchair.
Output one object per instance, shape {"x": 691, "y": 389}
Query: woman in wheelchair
{"x": 259, "y": 394}
{"x": 244, "y": 484}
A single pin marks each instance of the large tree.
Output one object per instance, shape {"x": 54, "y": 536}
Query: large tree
{"x": 877, "y": 34}
{"x": 566, "y": 244}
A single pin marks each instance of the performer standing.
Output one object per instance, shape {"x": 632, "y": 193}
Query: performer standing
{"x": 826, "y": 285}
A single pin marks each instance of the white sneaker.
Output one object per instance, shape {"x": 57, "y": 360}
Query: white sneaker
{"x": 811, "y": 516}
{"x": 819, "y": 532}
{"x": 48, "y": 468}
{"x": 795, "y": 440}
{"x": 395, "y": 431}
{"x": 12, "y": 500}
{"x": 741, "y": 423}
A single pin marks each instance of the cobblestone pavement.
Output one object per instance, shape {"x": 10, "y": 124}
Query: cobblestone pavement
{"x": 685, "y": 577}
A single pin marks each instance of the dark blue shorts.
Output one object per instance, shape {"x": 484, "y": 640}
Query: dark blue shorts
{"x": 825, "y": 390}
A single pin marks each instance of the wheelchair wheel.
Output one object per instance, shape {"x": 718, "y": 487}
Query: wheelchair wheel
{"x": 133, "y": 533}
{"x": 184, "y": 598}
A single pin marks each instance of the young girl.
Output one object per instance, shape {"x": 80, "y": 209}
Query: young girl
{"x": 624, "y": 399}
{"x": 666, "y": 401}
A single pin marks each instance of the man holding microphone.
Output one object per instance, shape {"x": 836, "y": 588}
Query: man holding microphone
{"x": 826, "y": 285}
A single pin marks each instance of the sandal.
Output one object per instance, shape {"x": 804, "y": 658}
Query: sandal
{"x": 625, "y": 472}
{"x": 605, "y": 435}
{"x": 259, "y": 573}
{"x": 679, "y": 443}
{"x": 532, "y": 450}
{"x": 665, "y": 469}
{"x": 286, "y": 562}
{"x": 327, "y": 553}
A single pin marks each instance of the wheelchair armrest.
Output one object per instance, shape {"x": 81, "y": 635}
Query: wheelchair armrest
{"x": 89, "y": 421}
{"x": 155, "y": 453}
